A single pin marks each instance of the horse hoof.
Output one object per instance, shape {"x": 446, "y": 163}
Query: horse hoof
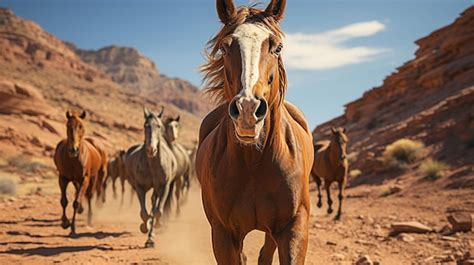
{"x": 149, "y": 244}
{"x": 330, "y": 211}
{"x": 73, "y": 234}
{"x": 337, "y": 218}
{"x": 65, "y": 224}
{"x": 80, "y": 209}
{"x": 143, "y": 228}
{"x": 320, "y": 204}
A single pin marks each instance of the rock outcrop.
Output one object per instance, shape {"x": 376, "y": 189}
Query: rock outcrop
{"x": 41, "y": 77}
{"x": 429, "y": 98}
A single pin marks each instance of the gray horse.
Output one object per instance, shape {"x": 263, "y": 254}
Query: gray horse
{"x": 151, "y": 165}
{"x": 180, "y": 184}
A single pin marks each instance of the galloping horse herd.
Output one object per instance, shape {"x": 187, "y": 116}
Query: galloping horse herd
{"x": 254, "y": 157}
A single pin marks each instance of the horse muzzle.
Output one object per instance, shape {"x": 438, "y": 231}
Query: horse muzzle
{"x": 151, "y": 151}
{"x": 248, "y": 115}
{"x": 73, "y": 152}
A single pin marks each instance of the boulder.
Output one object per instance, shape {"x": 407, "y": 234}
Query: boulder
{"x": 409, "y": 227}
{"x": 364, "y": 260}
{"x": 460, "y": 222}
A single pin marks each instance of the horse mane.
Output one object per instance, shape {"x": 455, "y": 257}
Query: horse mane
{"x": 213, "y": 70}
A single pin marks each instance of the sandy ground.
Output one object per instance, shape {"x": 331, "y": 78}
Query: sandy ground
{"x": 30, "y": 231}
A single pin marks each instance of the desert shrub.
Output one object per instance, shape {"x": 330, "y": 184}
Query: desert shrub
{"x": 354, "y": 173}
{"x": 432, "y": 169}
{"x": 7, "y": 186}
{"x": 26, "y": 164}
{"x": 402, "y": 152}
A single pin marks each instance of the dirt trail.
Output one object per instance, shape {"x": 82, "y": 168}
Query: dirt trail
{"x": 30, "y": 231}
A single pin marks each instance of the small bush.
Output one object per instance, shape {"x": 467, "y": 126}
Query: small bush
{"x": 7, "y": 186}
{"x": 355, "y": 173}
{"x": 402, "y": 152}
{"x": 433, "y": 169}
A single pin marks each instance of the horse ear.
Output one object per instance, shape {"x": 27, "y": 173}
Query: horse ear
{"x": 225, "y": 10}
{"x": 161, "y": 112}
{"x": 344, "y": 130}
{"x": 333, "y": 130}
{"x": 83, "y": 114}
{"x": 276, "y": 8}
{"x": 68, "y": 114}
{"x": 177, "y": 118}
{"x": 146, "y": 112}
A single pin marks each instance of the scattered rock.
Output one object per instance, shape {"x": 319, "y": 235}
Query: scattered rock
{"x": 460, "y": 222}
{"x": 331, "y": 243}
{"x": 449, "y": 238}
{"x": 338, "y": 257}
{"x": 364, "y": 260}
{"x": 405, "y": 237}
{"x": 409, "y": 227}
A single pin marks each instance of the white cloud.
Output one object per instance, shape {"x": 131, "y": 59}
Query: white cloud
{"x": 329, "y": 49}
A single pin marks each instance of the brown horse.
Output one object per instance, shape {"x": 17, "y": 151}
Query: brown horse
{"x": 81, "y": 161}
{"x": 255, "y": 150}
{"x": 116, "y": 170}
{"x": 330, "y": 164}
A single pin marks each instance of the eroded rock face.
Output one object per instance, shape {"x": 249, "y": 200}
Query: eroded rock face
{"x": 41, "y": 77}
{"x": 138, "y": 73}
{"x": 429, "y": 98}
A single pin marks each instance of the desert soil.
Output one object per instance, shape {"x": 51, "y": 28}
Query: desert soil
{"x": 30, "y": 230}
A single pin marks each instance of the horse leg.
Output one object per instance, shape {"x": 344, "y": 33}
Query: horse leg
{"x": 327, "y": 185}
{"x": 162, "y": 202}
{"x": 63, "y": 182}
{"x": 227, "y": 248}
{"x": 114, "y": 188}
{"x": 341, "y": 197}
{"x": 143, "y": 212}
{"x": 122, "y": 181}
{"x": 266, "y": 252}
{"x": 177, "y": 192}
{"x": 80, "y": 209}
{"x": 318, "y": 183}
{"x": 89, "y": 212}
{"x": 77, "y": 201}
{"x": 292, "y": 241}
{"x": 150, "y": 243}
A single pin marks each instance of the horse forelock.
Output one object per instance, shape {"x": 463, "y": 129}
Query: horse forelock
{"x": 213, "y": 70}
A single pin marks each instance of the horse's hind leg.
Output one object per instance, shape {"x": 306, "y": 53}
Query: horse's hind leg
{"x": 179, "y": 185}
{"x": 341, "y": 197}
{"x": 266, "y": 252}
{"x": 89, "y": 212}
{"x": 318, "y": 184}
{"x": 327, "y": 185}
{"x": 63, "y": 182}
{"x": 143, "y": 212}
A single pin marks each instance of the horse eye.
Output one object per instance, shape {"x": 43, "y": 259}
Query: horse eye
{"x": 223, "y": 50}
{"x": 270, "y": 79}
{"x": 278, "y": 49}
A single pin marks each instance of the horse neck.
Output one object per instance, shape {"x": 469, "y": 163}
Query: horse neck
{"x": 334, "y": 152}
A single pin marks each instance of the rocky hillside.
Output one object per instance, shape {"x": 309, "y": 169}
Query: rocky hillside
{"x": 139, "y": 74}
{"x": 429, "y": 98}
{"x": 41, "y": 77}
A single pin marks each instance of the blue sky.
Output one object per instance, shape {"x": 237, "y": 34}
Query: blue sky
{"x": 335, "y": 49}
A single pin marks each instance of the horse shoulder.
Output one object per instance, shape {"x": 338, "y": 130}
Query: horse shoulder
{"x": 211, "y": 121}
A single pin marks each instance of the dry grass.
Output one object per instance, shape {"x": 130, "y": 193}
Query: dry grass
{"x": 432, "y": 169}
{"x": 355, "y": 173}
{"x": 402, "y": 152}
{"x": 7, "y": 186}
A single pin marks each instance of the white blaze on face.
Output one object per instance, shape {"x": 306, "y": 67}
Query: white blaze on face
{"x": 250, "y": 37}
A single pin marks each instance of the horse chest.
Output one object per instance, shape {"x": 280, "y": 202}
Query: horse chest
{"x": 253, "y": 199}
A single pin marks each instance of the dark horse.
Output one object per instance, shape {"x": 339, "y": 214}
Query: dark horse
{"x": 255, "y": 150}
{"x": 331, "y": 165}
{"x": 81, "y": 161}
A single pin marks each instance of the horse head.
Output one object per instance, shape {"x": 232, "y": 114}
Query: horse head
{"x": 75, "y": 131}
{"x": 245, "y": 69}
{"x": 154, "y": 131}
{"x": 340, "y": 137}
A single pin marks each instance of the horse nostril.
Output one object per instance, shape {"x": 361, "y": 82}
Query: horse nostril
{"x": 233, "y": 110}
{"x": 262, "y": 109}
